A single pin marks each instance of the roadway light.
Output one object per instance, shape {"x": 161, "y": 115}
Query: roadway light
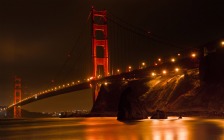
{"x": 142, "y": 65}
{"x": 176, "y": 69}
{"x": 159, "y": 59}
{"x": 105, "y": 83}
{"x": 129, "y": 68}
{"x": 153, "y": 74}
{"x": 178, "y": 54}
{"x": 193, "y": 55}
{"x": 155, "y": 64}
{"x": 118, "y": 71}
{"x": 222, "y": 43}
{"x": 164, "y": 72}
{"x": 173, "y": 60}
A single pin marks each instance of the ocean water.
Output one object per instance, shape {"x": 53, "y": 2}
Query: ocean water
{"x": 108, "y": 128}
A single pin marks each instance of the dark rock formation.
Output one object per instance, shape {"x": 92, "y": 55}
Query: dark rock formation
{"x": 212, "y": 65}
{"x": 107, "y": 101}
{"x": 159, "y": 115}
{"x": 130, "y": 108}
{"x": 191, "y": 91}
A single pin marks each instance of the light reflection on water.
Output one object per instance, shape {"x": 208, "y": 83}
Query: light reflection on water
{"x": 108, "y": 128}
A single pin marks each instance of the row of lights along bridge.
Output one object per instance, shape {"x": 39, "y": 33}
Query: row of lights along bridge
{"x": 129, "y": 69}
{"x": 159, "y": 61}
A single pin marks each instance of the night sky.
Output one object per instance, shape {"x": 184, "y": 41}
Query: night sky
{"x": 45, "y": 40}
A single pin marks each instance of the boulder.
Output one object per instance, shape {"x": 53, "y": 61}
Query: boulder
{"x": 130, "y": 108}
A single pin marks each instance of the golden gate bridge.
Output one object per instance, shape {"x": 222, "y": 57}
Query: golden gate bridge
{"x": 101, "y": 62}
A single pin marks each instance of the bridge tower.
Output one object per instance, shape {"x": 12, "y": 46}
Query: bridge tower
{"x": 17, "y": 96}
{"x": 99, "y": 25}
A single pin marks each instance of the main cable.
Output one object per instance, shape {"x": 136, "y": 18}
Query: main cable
{"x": 70, "y": 54}
{"x": 139, "y": 31}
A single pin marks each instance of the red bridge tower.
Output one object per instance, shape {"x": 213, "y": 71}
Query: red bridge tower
{"x": 17, "y": 97}
{"x": 99, "y": 23}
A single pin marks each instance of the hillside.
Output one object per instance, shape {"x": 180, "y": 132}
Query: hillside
{"x": 171, "y": 93}
{"x": 197, "y": 88}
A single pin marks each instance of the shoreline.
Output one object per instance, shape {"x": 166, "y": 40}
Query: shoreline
{"x": 200, "y": 114}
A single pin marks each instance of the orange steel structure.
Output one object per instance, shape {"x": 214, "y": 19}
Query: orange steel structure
{"x": 17, "y": 97}
{"x": 99, "y": 23}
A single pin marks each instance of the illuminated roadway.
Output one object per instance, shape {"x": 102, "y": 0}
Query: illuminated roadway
{"x": 171, "y": 67}
{"x": 74, "y": 87}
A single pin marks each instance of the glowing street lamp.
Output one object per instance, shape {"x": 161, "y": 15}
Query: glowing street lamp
{"x": 176, "y": 69}
{"x": 105, "y": 83}
{"x": 178, "y": 54}
{"x": 142, "y": 65}
{"x": 173, "y": 60}
{"x": 129, "y": 68}
{"x": 153, "y": 74}
{"x": 164, "y": 72}
{"x": 159, "y": 59}
{"x": 193, "y": 55}
{"x": 222, "y": 43}
{"x": 118, "y": 71}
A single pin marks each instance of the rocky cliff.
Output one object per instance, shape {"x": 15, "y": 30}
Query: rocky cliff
{"x": 185, "y": 91}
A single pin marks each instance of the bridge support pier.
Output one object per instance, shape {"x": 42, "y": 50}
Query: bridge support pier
{"x": 17, "y": 97}
{"x": 17, "y": 112}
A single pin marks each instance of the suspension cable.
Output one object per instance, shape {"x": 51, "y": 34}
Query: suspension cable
{"x": 139, "y": 31}
{"x": 75, "y": 46}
